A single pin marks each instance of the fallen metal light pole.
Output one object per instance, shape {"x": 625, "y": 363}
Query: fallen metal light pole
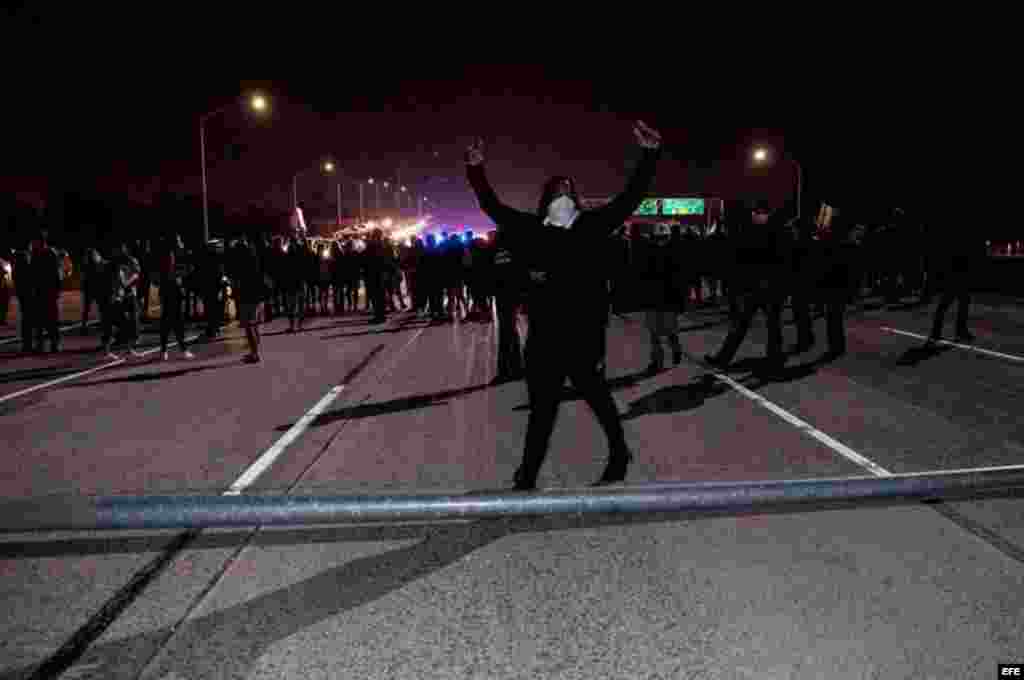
{"x": 199, "y": 512}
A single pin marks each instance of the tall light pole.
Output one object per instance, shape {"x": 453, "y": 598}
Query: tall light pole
{"x": 328, "y": 167}
{"x": 258, "y": 103}
{"x": 400, "y": 201}
{"x": 376, "y": 188}
{"x": 761, "y": 155}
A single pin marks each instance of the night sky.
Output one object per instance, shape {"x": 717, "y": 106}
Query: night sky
{"x": 97, "y": 131}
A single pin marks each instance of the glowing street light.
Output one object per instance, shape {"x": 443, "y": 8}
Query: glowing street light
{"x": 328, "y": 167}
{"x": 258, "y": 104}
{"x": 761, "y": 155}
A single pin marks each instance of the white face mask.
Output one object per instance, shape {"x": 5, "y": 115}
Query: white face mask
{"x": 562, "y": 212}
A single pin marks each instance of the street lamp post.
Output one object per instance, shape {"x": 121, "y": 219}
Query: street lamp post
{"x": 258, "y": 103}
{"x": 761, "y": 155}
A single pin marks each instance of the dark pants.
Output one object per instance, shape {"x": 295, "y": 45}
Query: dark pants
{"x": 510, "y": 360}
{"x": 835, "y": 319}
{"x": 771, "y": 303}
{"x": 552, "y": 358}
{"x": 27, "y": 311}
{"x": 171, "y": 316}
{"x": 88, "y": 298}
{"x": 375, "y": 291}
{"x": 213, "y": 308}
{"x": 802, "y": 317}
{"x": 125, "y": 316}
{"x": 5, "y": 302}
{"x": 955, "y": 288}
{"x": 47, "y": 314}
{"x": 435, "y": 298}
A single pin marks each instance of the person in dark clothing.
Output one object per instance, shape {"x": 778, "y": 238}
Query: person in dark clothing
{"x": 6, "y": 268}
{"x": 249, "y": 291}
{"x": 958, "y": 254}
{"x": 839, "y": 280}
{"x": 89, "y": 279}
{"x": 455, "y": 277}
{"x": 807, "y": 279}
{"x": 433, "y": 273}
{"x": 25, "y": 290}
{"x": 121, "y": 303}
{"x": 509, "y": 284}
{"x": 376, "y": 266}
{"x": 295, "y": 283}
{"x": 568, "y": 299}
{"x": 172, "y": 270}
{"x": 47, "y": 277}
{"x": 148, "y": 264}
{"x": 661, "y": 299}
{"x": 762, "y": 260}
{"x": 211, "y": 279}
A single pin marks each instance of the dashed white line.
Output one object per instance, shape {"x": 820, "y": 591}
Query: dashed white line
{"x": 971, "y": 348}
{"x": 294, "y": 432}
{"x": 837, "y": 446}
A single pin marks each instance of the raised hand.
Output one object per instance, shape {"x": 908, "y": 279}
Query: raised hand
{"x": 475, "y": 152}
{"x": 647, "y": 137}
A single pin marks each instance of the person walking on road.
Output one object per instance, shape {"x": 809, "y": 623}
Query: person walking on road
{"x": 763, "y": 269}
{"x": 122, "y": 303}
{"x": 661, "y": 299}
{"x": 249, "y": 292}
{"x": 172, "y": 270}
{"x": 568, "y": 299}
{"x": 958, "y": 254}
{"x": 47, "y": 277}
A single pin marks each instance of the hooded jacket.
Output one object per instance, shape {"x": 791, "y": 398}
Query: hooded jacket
{"x": 569, "y": 271}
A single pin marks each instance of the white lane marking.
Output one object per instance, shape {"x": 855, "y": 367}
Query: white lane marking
{"x": 294, "y": 432}
{"x": 81, "y": 374}
{"x": 62, "y": 329}
{"x": 252, "y": 473}
{"x": 837, "y": 446}
{"x": 972, "y": 348}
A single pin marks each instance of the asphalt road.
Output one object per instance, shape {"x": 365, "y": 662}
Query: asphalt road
{"x": 881, "y": 591}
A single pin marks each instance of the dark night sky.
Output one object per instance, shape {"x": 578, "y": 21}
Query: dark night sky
{"x": 901, "y": 137}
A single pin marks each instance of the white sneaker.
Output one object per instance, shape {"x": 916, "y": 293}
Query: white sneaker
{"x": 165, "y": 356}
{"x": 113, "y": 357}
{"x": 136, "y": 354}
{"x": 188, "y": 355}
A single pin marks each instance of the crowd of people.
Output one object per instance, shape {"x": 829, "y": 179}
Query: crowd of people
{"x": 568, "y": 268}
{"x": 265, "y": 277}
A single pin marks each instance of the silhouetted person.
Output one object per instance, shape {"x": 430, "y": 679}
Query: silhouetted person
{"x": 47, "y": 277}
{"x": 568, "y": 299}
{"x": 959, "y": 252}
{"x": 660, "y": 300}
{"x": 762, "y": 261}
{"x": 172, "y": 270}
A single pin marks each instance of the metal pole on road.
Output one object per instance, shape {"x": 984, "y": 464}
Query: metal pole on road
{"x": 200, "y": 512}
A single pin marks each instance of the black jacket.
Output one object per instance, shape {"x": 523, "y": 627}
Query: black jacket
{"x": 573, "y": 294}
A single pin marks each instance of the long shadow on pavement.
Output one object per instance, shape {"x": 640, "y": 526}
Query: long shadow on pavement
{"x": 384, "y": 331}
{"x": 41, "y": 373}
{"x": 147, "y": 377}
{"x": 316, "y": 329}
{"x": 231, "y": 641}
{"x": 410, "y": 403}
{"x": 916, "y": 355}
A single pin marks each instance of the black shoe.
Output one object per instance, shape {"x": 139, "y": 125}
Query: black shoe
{"x": 653, "y": 369}
{"x": 712, "y": 360}
{"x": 377, "y": 321}
{"x": 615, "y": 471}
{"x": 677, "y": 358}
{"x": 523, "y": 482}
{"x": 965, "y": 336}
{"x": 803, "y": 346}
